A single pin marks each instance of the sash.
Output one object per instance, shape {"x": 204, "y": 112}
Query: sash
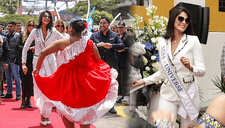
{"x": 187, "y": 107}
{"x": 41, "y": 47}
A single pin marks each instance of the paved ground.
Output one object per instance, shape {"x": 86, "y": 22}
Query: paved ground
{"x": 123, "y": 119}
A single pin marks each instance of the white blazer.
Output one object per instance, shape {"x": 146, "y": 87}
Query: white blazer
{"x": 191, "y": 50}
{"x": 52, "y": 35}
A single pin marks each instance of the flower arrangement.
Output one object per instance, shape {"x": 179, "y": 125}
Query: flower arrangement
{"x": 150, "y": 36}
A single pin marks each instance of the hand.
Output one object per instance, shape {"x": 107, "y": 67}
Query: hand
{"x": 36, "y": 71}
{"x": 32, "y": 48}
{"x": 25, "y": 69}
{"x": 6, "y": 66}
{"x": 107, "y": 45}
{"x": 137, "y": 83}
{"x": 163, "y": 114}
{"x": 121, "y": 50}
{"x": 186, "y": 62}
{"x": 100, "y": 44}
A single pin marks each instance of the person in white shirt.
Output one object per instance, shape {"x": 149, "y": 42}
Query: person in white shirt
{"x": 44, "y": 34}
{"x": 181, "y": 59}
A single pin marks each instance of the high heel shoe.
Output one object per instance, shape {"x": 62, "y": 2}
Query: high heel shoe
{"x": 48, "y": 121}
{"x": 44, "y": 123}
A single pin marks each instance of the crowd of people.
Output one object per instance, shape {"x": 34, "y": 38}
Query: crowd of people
{"x": 71, "y": 64}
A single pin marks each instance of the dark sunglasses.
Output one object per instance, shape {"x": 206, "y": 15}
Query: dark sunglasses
{"x": 30, "y": 25}
{"x": 60, "y": 26}
{"x": 120, "y": 27}
{"x": 47, "y": 16}
{"x": 181, "y": 19}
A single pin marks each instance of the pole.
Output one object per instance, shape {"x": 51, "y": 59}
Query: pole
{"x": 45, "y": 5}
{"x": 17, "y": 6}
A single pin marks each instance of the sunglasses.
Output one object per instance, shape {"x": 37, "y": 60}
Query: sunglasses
{"x": 181, "y": 19}
{"x": 47, "y": 16}
{"x": 120, "y": 27}
{"x": 30, "y": 25}
{"x": 60, "y": 26}
{"x": 104, "y": 23}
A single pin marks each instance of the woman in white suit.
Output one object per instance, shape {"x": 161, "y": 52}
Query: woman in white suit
{"x": 43, "y": 35}
{"x": 181, "y": 59}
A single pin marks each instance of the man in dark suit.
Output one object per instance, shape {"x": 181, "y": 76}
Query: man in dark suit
{"x": 108, "y": 43}
{"x": 124, "y": 64}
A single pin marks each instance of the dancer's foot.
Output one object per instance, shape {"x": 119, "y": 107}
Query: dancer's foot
{"x": 45, "y": 121}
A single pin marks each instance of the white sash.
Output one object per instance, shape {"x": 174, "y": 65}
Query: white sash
{"x": 41, "y": 47}
{"x": 187, "y": 106}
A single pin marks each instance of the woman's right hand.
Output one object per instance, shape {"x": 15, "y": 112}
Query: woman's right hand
{"x": 35, "y": 72}
{"x": 25, "y": 69}
{"x": 137, "y": 83}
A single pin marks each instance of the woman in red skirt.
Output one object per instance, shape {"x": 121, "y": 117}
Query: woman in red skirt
{"x": 83, "y": 88}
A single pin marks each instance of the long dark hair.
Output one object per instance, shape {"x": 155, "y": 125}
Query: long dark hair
{"x": 170, "y": 27}
{"x": 50, "y": 24}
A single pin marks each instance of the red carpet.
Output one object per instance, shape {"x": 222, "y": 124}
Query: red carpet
{"x": 14, "y": 117}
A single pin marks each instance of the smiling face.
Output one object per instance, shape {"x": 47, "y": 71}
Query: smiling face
{"x": 60, "y": 27}
{"x": 46, "y": 19}
{"x": 104, "y": 25}
{"x": 113, "y": 28}
{"x": 30, "y": 27}
{"x": 179, "y": 24}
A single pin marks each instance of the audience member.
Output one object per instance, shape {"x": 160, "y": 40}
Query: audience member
{"x": 4, "y": 60}
{"x": 27, "y": 79}
{"x": 61, "y": 27}
{"x": 18, "y": 27}
{"x": 113, "y": 28}
{"x": 108, "y": 43}
{"x": 13, "y": 70}
{"x": 1, "y": 30}
{"x": 124, "y": 64}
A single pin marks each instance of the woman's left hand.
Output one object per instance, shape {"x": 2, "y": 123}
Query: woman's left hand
{"x": 35, "y": 72}
{"x": 186, "y": 62}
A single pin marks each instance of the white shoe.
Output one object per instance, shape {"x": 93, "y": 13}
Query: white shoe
{"x": 44, "y": 123}
{"x": 126, "y": 100}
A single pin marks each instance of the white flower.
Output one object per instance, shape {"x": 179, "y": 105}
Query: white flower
{"x": 153, "y": 40}
{"x": 145, "y": 60}
{"x": 156, "y": 65}
{"x": 155, "y": 32}
{"x": 153, "y": 57}
{"x": 147, "y": 68}
{"x": 150, "y": 21}
{"x": 153, "y": 27}
{"x": 158, "y": 39}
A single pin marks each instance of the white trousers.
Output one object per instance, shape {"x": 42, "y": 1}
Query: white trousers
{"x": 158, "y": 103}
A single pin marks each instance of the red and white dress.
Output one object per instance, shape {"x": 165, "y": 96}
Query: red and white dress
{"x": 81, "y": 89}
